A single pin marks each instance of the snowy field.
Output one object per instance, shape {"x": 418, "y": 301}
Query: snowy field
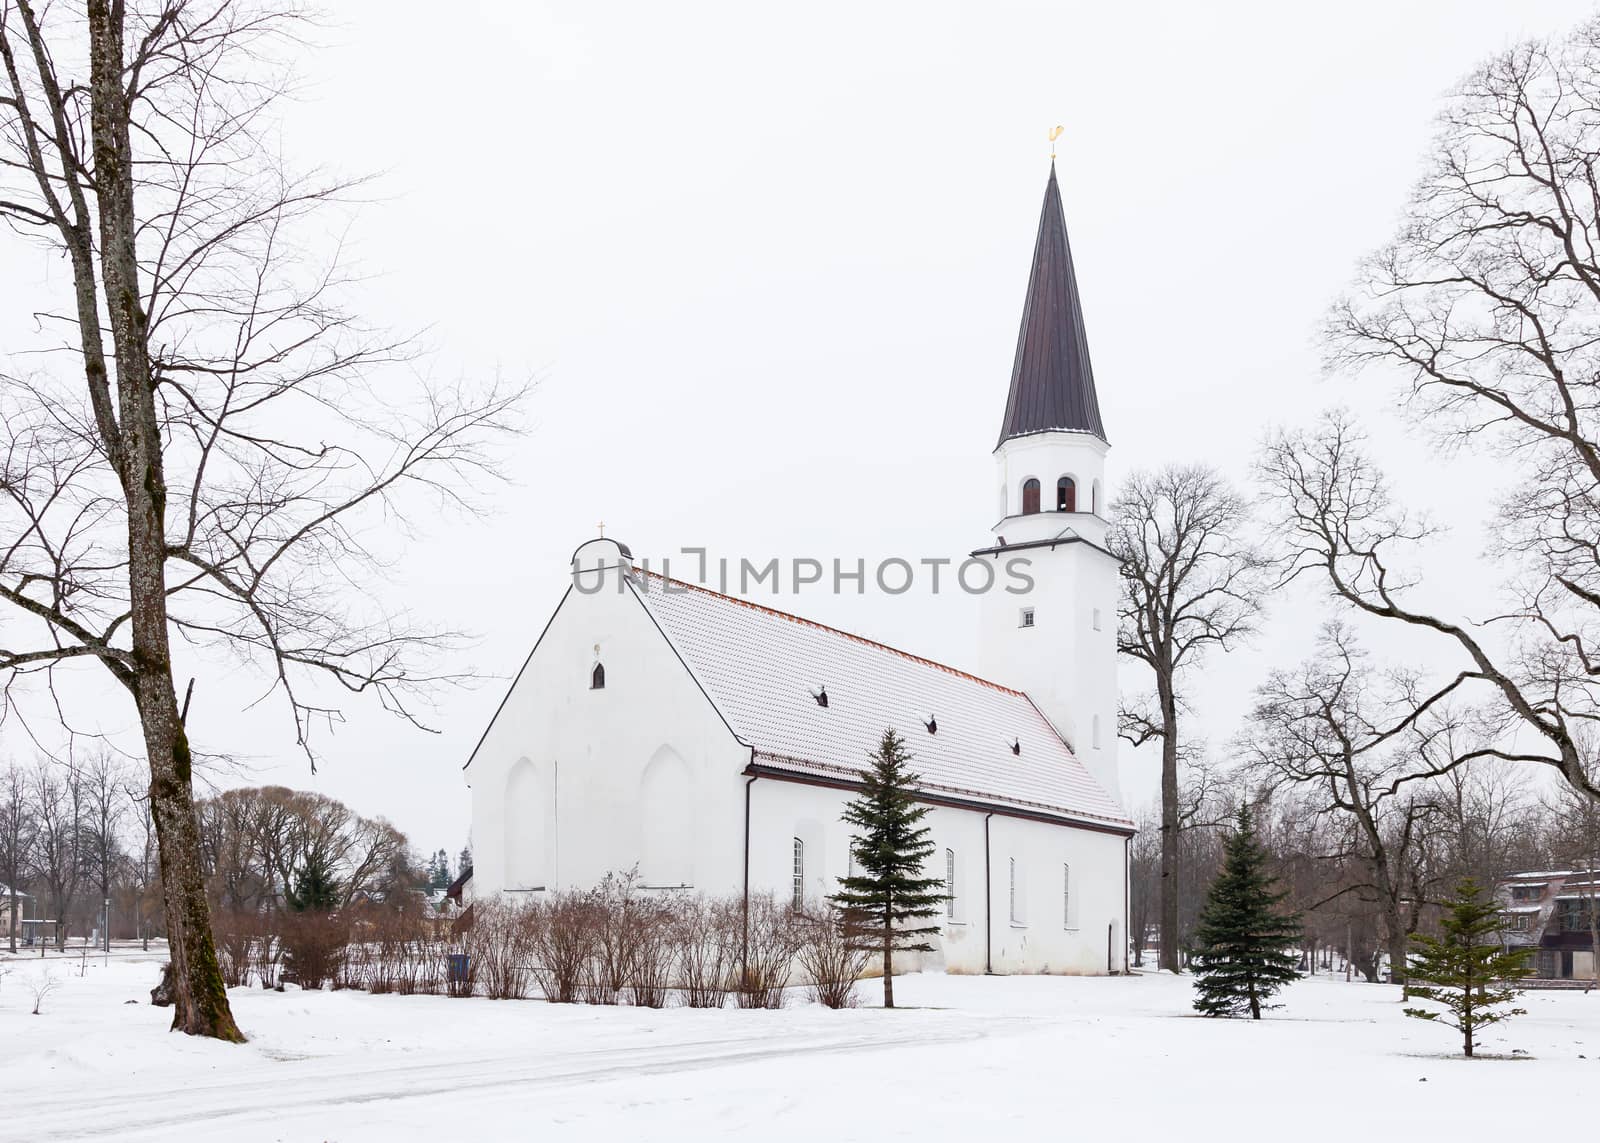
{"x": 1050, "y": 1057}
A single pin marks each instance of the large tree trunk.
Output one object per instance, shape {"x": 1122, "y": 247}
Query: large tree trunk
{"x": 1170, "y": 824}
{"x": 200, "y": 1000}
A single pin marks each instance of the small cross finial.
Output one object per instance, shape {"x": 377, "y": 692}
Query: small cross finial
{"x": 602, "y": 527}
{"x": 1055, "y": 133}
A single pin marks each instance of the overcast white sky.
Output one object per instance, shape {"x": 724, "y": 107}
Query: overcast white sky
{"x": 768, "y": 264}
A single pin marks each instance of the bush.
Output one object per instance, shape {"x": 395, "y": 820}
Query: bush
{"x": 828, "y": 958}
{"x": 501, "y": 947}
{"x": 564, "y": 944}
{"x": 707, "y": 933}
{"x": 234, "y": 931}
{"x": 768, "y": 943}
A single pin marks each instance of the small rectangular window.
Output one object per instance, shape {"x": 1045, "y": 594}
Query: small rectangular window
{"x": 1027, "y": 617}
{"x": 1097, "y": 619}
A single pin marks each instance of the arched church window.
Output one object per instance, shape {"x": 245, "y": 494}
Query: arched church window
{"x": 597, "y": 677}
{"x": 950, "y": 883}
{"x": 1066, "y": 495}
{"x": 799, "y": 898}
{"x": 1030, "y": 496}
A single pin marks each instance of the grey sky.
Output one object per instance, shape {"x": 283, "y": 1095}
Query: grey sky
{"x": 768, "y": 265}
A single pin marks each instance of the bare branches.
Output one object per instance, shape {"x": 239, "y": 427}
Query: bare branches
{"x": 1191, "y": 581}
{"x": 295, "y": 442}
{"x": 1338, "y": 521}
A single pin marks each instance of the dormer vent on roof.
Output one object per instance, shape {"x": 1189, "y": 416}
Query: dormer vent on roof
{"x": 821, "y": 695}
{"x": 932, "y": 724}
{"x": 1016, "y": 746}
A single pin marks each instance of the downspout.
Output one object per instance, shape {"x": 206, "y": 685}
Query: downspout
{"x": 1127, "y": 901}
{"x": 988, "y": 903}
{"x": 744, "y": 949}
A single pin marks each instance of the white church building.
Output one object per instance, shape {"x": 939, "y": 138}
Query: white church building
{"x": 713, "y": 742}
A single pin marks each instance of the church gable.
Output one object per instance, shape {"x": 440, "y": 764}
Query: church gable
{"x": 812, "y": 700}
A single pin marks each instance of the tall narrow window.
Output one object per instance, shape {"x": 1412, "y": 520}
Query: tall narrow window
{"x": 1030, "y": 496}
{"x": 1066, "y": 895}
{"x": 799, "y": 873}
{"x": 597, "y": 678}
{"x": 950, "y": 883}
{"x": 1015, "y": 919}
{"x": 1066, "y": 495}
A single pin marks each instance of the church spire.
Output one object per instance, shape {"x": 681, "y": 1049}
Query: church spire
{"x": 1052, "y": 383}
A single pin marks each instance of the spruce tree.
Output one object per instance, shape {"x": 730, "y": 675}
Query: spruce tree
{"x": 1465, "y": 969}
{"x": 1243, "y": 945}
{"x": 315, "y": 890}
{"x": 890, "y": 847}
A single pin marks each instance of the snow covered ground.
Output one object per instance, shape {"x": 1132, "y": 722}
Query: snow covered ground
{"x": 1052, "y": 1057}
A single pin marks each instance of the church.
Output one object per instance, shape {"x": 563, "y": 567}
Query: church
{"x": 712, "y": 742}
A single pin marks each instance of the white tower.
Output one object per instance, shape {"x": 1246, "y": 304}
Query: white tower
{"x": 1056, "y": 638}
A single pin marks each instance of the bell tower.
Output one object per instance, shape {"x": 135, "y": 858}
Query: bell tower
{"x": 1049, "y": 621}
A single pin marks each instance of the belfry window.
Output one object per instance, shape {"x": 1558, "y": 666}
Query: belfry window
{"x": 1030, "y": 496}
{"x": 597, "y": 678}
{"x": 1066, "y": 495}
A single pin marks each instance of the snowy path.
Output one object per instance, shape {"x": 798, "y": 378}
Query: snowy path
{"x": 1043, "y": 1058}
{"x": 306, "y": 1089}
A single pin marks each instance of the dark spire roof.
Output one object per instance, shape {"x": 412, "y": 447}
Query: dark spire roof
{"x": 1052, "y": 382}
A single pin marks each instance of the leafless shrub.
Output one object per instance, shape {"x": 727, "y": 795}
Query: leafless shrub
{"x": 266, "y": 955}
{"x": 655, "y": 964}
{"x": 234, "y": 931}
{"x": 564, "y": 944}
{"x": 827, "y": 956}
{"x": 768, "y": 946}
{"x": 41, "y": 985}
{"x": 501, "y": 947}
{"x": 707, "y": 933}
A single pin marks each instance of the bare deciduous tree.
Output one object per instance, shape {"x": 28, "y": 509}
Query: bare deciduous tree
{"x": 1338, "y": 522}
{"x": 1362, "y": 749}
{"x": 56, "y": 802}
{"x": 1192, "y": 581}
{"x": 103, "y": 779}
{"x": 1486, "y": 303}
{"x": 219, "y": 430}
{"x": 16, "y": 842}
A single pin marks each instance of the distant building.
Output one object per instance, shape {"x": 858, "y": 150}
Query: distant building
{"x": 1548, "y": 912}
{"x": 5, "y": 911}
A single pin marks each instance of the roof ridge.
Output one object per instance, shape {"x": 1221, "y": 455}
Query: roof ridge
{"x": 862, "y": 639}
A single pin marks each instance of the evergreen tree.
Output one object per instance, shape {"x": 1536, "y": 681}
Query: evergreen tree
{"x": 316, "y": 890}
{"x": 464, "y": 861}
{"x": 1243, "y": 943}
{"x": 439, "y": 871}
{"x": 890, "y": 847}
{"x": 1466, "y": 970}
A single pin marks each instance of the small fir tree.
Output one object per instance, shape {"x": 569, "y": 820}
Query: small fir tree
{"x": 890, "y": 847}
{"x": 315, "y": 890}
{"x": 1243, "y": 945}
{"x": 1466, "y": 970}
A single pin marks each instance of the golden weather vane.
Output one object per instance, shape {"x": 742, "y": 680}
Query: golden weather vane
{"x": 1055, "y": 133}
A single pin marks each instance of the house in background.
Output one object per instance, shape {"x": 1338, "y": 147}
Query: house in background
{"x": 1548, "y": 913}
{"x": 5, "y": 911}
